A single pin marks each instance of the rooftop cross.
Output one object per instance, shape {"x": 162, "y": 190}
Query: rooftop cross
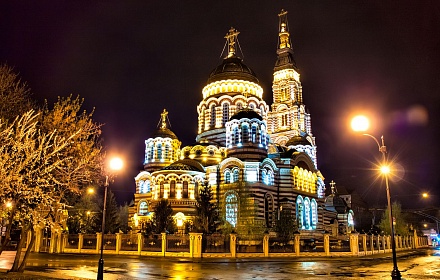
{"x": 231, "y": 39}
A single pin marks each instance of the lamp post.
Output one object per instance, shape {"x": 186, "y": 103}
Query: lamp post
{"x": 361, "y": 123}
{"x": 115, "y": 164}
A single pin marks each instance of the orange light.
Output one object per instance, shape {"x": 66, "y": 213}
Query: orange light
{"x": 360, "y": 123}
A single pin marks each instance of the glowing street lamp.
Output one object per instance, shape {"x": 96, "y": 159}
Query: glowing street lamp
{"x": 425, "y": 195}
{"x": 115, "y": 164}
{"x": 361, "y": 123}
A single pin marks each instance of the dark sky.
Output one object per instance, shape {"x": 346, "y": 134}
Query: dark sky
{"x": 132, "y": 59}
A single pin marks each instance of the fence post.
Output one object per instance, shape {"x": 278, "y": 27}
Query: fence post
{"x": 118, "y": 242}
{"x": 378, "y": 243}
{"x": 140, "y": 242}
{"x": 233, "y": 244}
{"x": 364, "y": 243}
{"x": 38, "y": 238}
{"x": 297, "y": 247}
{"x": 80, "y": 242}
{"x": 195, "y": 244}
{"x": 327, "y": 244}
{"x": 266, "y": 245}
{"x": 372, "y": 243}
{"x": 354, "y": 243}
{"x": 98, "y": 241}
{"x": 164, "y": 243}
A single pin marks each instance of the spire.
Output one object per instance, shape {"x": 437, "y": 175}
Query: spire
{"x": 285, "y": 53}
{"x": 284, "y": 35}
{"x": 231, "y": 40}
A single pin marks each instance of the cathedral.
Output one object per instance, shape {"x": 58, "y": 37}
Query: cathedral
{"x": 257, "y": 159}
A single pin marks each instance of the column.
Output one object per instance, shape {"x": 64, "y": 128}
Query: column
{"x": 378, "y": 243}
{"x": 372, "y": 244}
{"x": 195, "y": 244}
{"x": 364, "y": 243}
{"x": 354, "y": 244}
{"x": 384, "y": 243}
{"x": 164, "y": 243}
{"x": 327, "y": 244}
{"x": 38, "y": 237}
{"x": 297, "y": 247}
{"x": 266, "y": 245}
{"x": 140, "y": 243}
{"x": 233, "y": 244}
{"x": 118, "y": 242}
{"x": 80, "y": 242}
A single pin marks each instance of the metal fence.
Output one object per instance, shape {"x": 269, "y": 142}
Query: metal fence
{"x": 178, "y": 243}
{"x": 216, "y": 243}
{"x": 129, "y": 242}
{"x": 280, "y": 245}
{"x": 72, "y": 241}
{"x": 152, "y": 243}
{"x": 89, "y": 241}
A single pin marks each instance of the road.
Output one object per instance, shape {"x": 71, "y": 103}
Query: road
{"x": 421, "y": 265}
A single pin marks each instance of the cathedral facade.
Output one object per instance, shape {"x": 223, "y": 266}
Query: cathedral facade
{"x": 257, "y": 159}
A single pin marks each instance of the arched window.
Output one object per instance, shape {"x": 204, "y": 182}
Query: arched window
{"x": 268, "y": 210}
{"x": 167, "y": 151}
{"x": 307, "y": 213}
{"x": 244, "y": 133}
{"x": 144, "y": 186}
{"x": 236, "y": 136}
{"x": 227, "y": 177}
{"x": 212, "y": 121}
{"x": 236, "y": 175}
{"x": 252, "y": 106}
{"x": 264, "y": 177}
{"x": 185, "y": 189}
{"x": 159, "y": 151}
{"x": 314, "y": 209}
{"x": 254, "y": 133}
{"x": 350, "y": 220}
{"x": 161, "y": 189}
{"x": 151, "y": 152}
{"x": 299, "y": 212}
{"x": 239, "y": 106}
{"x": 225, "y": 113}
{"x": 172, "y": 189}
{"x": 143, "y": 208}
{"x": 196, "y": 189}
{"x": 231, "y": 209}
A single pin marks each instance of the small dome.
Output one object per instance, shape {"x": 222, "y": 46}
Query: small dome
{"x": 335, "y": 203}
{"x": 298, "y": 140}
{"x": 232, "y": 68}
{"x": 185, "y": 164}
{"x": 164, "y": 133}
{"x": 246, "y": 113}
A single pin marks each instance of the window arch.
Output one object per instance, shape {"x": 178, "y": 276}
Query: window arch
{"x": 144, "y": 186}
{"x": 254, "y": 133}
{"x": 162, "y": 189}
{"x": 225, "y": 113}
{"x": 307, "y": 213}
{"x": 231, "y": 209}
{"x": 172, "y": 189}
{"x": 244, "y": 133}
{"x": 143, "y": 208}
{"x": 264, "y": 176}
{"x": 185, "y": 189}
{"x": 167, "y": 151}
{"x": 236, "y": 136}
{"x": 159, "y": 151}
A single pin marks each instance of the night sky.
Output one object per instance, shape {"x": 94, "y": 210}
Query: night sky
{"x": 132, "y": 59}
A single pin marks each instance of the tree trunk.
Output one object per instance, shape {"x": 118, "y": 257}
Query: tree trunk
{"x": 23, "y": 234}
{"x": 28, "y": 250}
{"x": 8, "y": 231}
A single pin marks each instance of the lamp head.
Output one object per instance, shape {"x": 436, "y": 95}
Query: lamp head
{"x": 385, "y": 169}
{"x": 116, "y": 164}
{"x": 360, "y": 123}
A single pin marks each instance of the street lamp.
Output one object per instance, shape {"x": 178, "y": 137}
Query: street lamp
{"x": 361, "y": 123}
{"x": 114, "y": 165}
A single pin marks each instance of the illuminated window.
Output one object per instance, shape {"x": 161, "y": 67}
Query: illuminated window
{"x": 245, "y": 133}
{"x": 144, "y": 186}
{"x": 231, "y": 209}
{"x": 180, "y": 219}
{"x": 143, "y": 208}
{"x": 251, "y": 175}
{"x": 314, "y": 210}
{"x": 254, "y": 134}
{"x": 167, "y": 151}
{"x": 212, "y": 178}
{"x": 151, "y": 153}
{"x": 172, "y": 189}
{"x": 161, "y": 189}
{"x": 299, "y": 212}
{"x": 264, "y": 176}
{"x": 268, "y": 210}
{"x": 236, "y": 136}
{"x": 212, "y": 121}
{"x": 159, "y": 151}
{"x": 236, "y": 175}
{"x": 307, "y": 213}
{"x": 227, "y": 177}
{"x": 350, "y": 219}
{"x": 185, "y": 189}
{"x": 225, "y": 113}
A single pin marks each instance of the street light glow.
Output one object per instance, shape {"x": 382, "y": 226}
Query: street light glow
{"x": 425, "y": 195}
{"x": 116, "y": 163}
{"x": 385, "y": 169}
{"x": 8, "y": 204}
{"x": 90, "y": 190}
{"x": 360, "y": 123}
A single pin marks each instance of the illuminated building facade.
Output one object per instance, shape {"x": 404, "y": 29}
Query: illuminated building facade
{"x": 258, "y": 160}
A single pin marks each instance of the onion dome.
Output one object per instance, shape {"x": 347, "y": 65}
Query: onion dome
{"x": 298, "y": 140}
{"x": 246, "y": 113}
{"x": 185, "y": 165}
{"x": 334, "y": 202}
{"x": 232, "y": 67}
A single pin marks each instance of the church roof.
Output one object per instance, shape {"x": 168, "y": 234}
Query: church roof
{"x": 246, "y": 113}
{"x": 186, "y": 165}
{"x": 298, "y": 140}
